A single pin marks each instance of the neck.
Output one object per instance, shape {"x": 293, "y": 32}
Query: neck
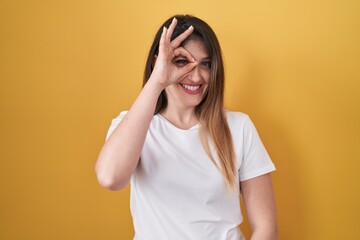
{"x": 184, "y": 118}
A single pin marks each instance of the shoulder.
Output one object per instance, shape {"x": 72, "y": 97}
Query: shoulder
{"x": 115, "y": 122}
{"x": 240, "y": 122}
{"x": 236, "y": 118}
{"x": 121, "y": 114}
{"x": 119, "y": 117}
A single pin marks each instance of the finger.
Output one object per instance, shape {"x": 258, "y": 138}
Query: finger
{"x": 177, "y": 41}
{"x": 171, "y": 29}
{"x": 162, "y": 38}
{"x": 188, "y": 68}
{"x": 180, "y": 51}
{"x": 183, "y": 71}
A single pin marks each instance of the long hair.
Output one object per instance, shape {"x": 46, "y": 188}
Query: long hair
{"x": 214, "y": 130}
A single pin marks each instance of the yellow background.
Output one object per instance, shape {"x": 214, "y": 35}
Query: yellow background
{"x": 68, "y": 67}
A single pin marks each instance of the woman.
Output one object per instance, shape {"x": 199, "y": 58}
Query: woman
{"x": 186, "y": 157}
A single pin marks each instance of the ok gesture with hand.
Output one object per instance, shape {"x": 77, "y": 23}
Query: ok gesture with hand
{"x": 165, "y": 71}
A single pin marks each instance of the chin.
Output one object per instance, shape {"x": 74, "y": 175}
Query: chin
{"x": 192, "y": 103}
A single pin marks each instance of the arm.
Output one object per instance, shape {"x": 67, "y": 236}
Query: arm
{"x": 260, "y": 207}
{"x": 120, "y": 154}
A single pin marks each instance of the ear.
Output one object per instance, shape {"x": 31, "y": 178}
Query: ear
{"x": 154, "y": 61}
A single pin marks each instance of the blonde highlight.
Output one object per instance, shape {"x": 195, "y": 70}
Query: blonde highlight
{"x": 214, "y": 129}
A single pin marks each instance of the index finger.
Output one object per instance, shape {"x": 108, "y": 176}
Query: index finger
{"x": 177, "y": 41}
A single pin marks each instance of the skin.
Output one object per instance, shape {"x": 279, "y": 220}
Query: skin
{"x": 260, "y": 207}
{"x": 174, "y": 67}
{"x": 181, "y": 105}
{"x": 120, "y": 154}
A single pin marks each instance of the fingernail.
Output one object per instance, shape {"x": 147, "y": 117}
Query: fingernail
{"x": 191, "y": 27}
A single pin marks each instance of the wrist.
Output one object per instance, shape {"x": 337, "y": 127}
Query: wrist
{"x": 155, "y": 85}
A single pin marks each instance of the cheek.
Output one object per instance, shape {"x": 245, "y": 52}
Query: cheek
{"x": 205, "y": 74}
{"x": 170, "y": 90}
{"x": 207, "y": 77}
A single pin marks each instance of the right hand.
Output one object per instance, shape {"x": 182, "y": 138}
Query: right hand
{"x": 165, "y": 71}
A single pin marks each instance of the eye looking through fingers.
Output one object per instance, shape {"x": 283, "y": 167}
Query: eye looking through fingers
{"x": 180, "y": 62}
{"x": 183, "y": 61}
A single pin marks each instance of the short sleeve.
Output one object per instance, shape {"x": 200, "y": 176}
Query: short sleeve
{"x": 256, "y": 160}
{"x": 114, "y": 123}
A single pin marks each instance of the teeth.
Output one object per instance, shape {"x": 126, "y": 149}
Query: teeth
{"x": 191, "y": 88}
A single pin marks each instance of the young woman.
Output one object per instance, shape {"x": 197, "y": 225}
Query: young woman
{"x": 187, "y": 158}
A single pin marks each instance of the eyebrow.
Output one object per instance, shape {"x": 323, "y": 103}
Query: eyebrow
{"x": 206, "y": 58}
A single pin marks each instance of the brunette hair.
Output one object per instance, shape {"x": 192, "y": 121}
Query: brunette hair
{"x": 210, "y": 112}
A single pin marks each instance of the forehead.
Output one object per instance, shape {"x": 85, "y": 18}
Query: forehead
{"x": 197, "y": 49}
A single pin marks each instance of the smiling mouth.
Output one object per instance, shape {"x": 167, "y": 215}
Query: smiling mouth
{"x": 192, "y": 88}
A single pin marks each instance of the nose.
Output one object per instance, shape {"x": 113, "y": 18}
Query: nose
{"x": 195, "y": 75}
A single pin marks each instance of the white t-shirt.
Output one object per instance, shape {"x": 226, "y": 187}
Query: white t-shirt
{"x": 177, "y": 193}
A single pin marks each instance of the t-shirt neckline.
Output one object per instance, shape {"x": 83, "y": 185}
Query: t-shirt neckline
{"x": 196, "y": 126}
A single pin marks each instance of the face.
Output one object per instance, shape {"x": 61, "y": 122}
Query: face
{"x": 190, "y": 90}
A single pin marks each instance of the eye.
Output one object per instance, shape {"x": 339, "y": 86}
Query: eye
{"x": 206, "y": 64}
{"x": 181, "y": 62}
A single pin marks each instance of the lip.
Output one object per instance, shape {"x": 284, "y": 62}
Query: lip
{"x": 199, "y": 90}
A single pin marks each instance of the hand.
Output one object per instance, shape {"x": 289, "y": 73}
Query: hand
{"x": 165, "y": 71}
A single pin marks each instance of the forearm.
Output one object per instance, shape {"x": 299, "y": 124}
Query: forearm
{"x": 121, "y": 152}
{"x": 269, "y": 233}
